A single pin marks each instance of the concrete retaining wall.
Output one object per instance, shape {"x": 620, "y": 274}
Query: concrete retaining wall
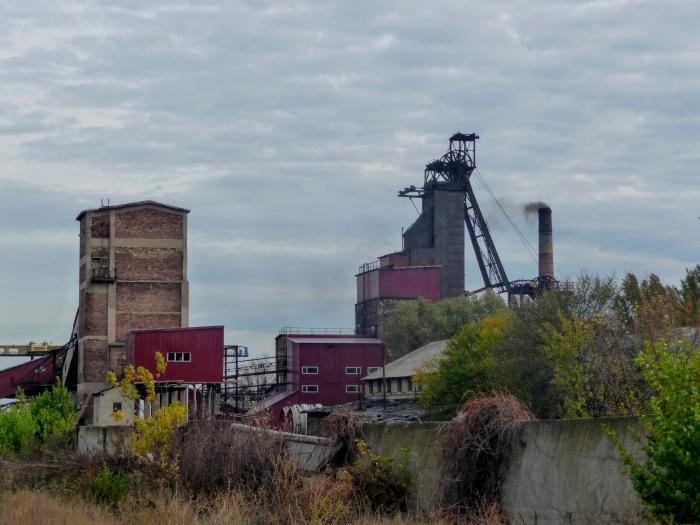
{"x": 421, "y": 440}
{"x": 311, "y": 453}
{"x": 112, "y": 440}
{"x": 571, "y": 472}
{"x": 566, "y": 472}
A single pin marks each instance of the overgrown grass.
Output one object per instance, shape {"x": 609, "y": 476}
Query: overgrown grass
{"x": 26, "y": 507}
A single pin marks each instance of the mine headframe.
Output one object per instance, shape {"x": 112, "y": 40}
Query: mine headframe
{"x": 452, "y": 172}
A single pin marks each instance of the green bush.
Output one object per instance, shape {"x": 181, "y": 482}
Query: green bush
{"x": 17, "y": 428}
{"x": 382, "y": 482}
{"x": 48, "y": 417}
{"x": 668, "y": 481}
{"x": 108, "y": 488}
{"x": 54, "y": 412}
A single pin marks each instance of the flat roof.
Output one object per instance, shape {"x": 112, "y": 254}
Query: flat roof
{"x": 406, "y": 366}
{"x": 176, "y": 329}
{"x": 340, "y": 340}
{"x": 131, "y": 205}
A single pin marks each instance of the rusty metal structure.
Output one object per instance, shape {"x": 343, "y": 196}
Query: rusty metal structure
{"x": 452, "y": 173}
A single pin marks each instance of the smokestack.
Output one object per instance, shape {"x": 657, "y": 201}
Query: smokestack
{"x": 546, "y": 262}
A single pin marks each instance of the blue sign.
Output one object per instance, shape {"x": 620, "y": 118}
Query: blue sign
{"x": 242, "y": 351}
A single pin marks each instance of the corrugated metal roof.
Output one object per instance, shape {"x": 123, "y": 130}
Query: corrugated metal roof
{"x": 340, "y": 340}
{"x": 131, "y": 205}
{"x": 406, "y": 366}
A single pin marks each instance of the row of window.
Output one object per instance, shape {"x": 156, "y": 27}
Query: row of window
{"x": 312, "y": 389}
{"x": 177, "y": 357}
{"x": 349, "y": 370}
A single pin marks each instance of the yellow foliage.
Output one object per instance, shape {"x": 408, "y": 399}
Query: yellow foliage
{"x": 118, "y": 415}
{"x": 161, "y": 365}
{"x": 152, "y": 437}
{"x": 138, "y": 375}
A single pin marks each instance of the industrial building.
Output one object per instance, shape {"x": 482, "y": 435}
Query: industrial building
{"x": 134, "y": 302}
{"x": 320, "y": 369}
{"x": 395, "y": 381}
{"x": 133, "y": 276}
{"x": 431, "y": 262}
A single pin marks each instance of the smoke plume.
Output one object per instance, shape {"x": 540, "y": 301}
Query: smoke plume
{"x": 530, "y": 210}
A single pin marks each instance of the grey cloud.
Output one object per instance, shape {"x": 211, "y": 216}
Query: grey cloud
{"x": 293, "y": 125}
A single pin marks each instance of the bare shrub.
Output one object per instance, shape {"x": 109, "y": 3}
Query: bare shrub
{"x": 345, "y": 427}
{"x": 326, "y": 500}
{"x": 74, "y": 473}
{"x": 216, "y": 457}
{"x": 478, "y": 445}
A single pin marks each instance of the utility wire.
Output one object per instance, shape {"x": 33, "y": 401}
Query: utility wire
{"x": 528, "y": 246}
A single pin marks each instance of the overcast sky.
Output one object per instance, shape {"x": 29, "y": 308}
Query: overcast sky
{"x": 288, "y": 127}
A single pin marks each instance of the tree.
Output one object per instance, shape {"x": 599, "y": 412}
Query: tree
{"x": 668, "y": 481}
{"x": 416, "y": 323}
{"x": 467, "y": 368}
{"x": 593, "y": 368}
{"x": 688, "y": 304}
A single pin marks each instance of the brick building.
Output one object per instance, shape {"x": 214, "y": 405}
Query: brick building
{"x": 133, "y": 276}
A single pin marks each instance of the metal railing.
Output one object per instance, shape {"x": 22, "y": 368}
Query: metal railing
{"x": 103, "y": 274}
{"x": 298, "y": 330}
{"x": 367, "y": 267}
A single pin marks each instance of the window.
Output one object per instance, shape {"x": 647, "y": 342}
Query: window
{"x": 116, "y": 407}
{"x": 353, "y": 370}
{"x": 309, "y": 389}
{"x": 352, "y": 389}
{"x": 372, "y": 369}
{"x": 309, "y": 370}
{"x": 179, "y": 357}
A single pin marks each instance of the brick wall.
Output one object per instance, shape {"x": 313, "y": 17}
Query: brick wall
{"x": 148, "y": 297}
{"x": 94, "y": 353}
{"x": 158, "y": 264}
{"x": 95, "y": 314}
{"x": 129, "y": 321}
{"x": 147, "y": 223}
{"x": 99, "y": 226}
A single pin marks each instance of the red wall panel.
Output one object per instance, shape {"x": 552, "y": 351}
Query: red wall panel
{"x": 410, "y": 283}
{"x": 205, "y": 344}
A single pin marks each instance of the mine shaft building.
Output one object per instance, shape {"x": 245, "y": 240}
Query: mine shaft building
{"x": 133, "y": 276}
{"x": 430, "y": 265}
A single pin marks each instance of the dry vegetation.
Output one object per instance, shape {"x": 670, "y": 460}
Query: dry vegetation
{"x": 223, "y": 477}
{"x": 25, "y": 507}
{"x": 479, "y": 442}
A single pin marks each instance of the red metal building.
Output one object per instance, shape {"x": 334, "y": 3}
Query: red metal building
{"x": 321, "y": 369}
{"x": 382, "y": 284}
{"x": 194, "y": 355}
{"x": 32, "y": 376}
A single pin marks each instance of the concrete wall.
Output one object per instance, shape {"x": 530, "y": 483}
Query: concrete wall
{"x": 570, "y": 472}
{"x": 421, "y": 440}
{"x": 566, "y": 472}
{"x": 103, "y": 403}
{"x": 311, "y": 453}
{"x": 437, "y": 238}
{"x": 103, "y": 440}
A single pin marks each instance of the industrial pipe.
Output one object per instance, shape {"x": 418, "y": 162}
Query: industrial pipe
{"x": 546, "y": 254}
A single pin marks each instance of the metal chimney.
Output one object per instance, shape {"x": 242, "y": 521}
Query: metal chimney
{"x": 546, "y": 254}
